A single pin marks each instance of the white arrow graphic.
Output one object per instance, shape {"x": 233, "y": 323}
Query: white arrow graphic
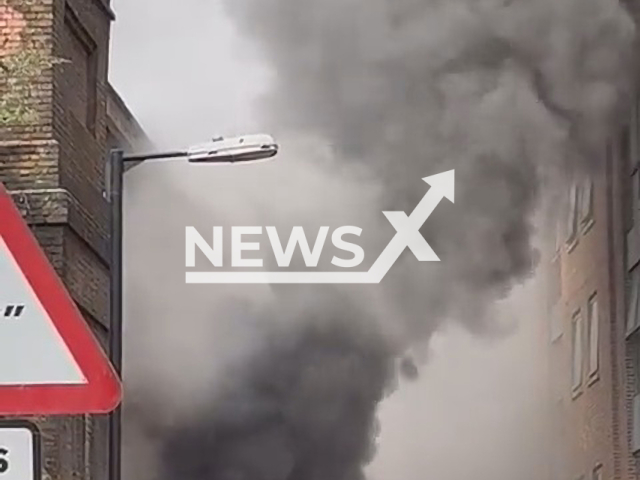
{"x": 408, "y": 228}
{"x": 407, "y": 236}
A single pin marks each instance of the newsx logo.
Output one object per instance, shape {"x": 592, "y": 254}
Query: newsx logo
{"x": 407, "y": 236}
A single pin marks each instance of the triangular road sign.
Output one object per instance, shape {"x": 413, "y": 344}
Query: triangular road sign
{"x": 50, "y": 362}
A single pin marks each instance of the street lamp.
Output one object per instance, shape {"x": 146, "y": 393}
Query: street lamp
{"x": 220, "y": 150}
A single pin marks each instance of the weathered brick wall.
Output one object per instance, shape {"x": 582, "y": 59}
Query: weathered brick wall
{"x": 29, "y": 22}
{"x": 83, "y": 25}
{"x": 623, "y": 385}
{"x": 54, "y": 169}
{"x": 590, "y": 422}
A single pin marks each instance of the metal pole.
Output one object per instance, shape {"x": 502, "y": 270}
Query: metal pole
{"x": 155, "y": 156}
{"x": 114, "y": 184}
{"x": 114, "y": 176}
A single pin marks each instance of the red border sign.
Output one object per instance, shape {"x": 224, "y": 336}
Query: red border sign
{"x": 102, "y": 392}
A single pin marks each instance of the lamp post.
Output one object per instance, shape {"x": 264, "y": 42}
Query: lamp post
{"x": 220, "y": 151}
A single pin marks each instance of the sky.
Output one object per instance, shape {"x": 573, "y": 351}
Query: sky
{"x": 188, "y": 75}
{"x": 188, "y": 62}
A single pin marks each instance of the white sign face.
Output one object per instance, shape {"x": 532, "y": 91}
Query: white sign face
{"x": 19, "y": 452}
{"x": 29, "y": 341}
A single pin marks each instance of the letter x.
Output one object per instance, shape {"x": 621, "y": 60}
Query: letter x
{"x": 408, "y": 231}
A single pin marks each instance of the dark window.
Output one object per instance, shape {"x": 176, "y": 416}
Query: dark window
{"x": 79, "y": 84}
{"x": 586, "y": 204}
{"x": 572, "y": 215}
{"x": 593, "y": 326}
{"x": 633, "y": 317}
{"x": 576, "y": 350}
{"x": 597, "y": 473}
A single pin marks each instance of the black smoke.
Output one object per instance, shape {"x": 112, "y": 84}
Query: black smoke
{"x": 302, "y": 410}
{"x": 510, "y": 94}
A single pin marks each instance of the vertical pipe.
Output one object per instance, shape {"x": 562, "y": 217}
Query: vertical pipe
{"x": 114, "y": 190}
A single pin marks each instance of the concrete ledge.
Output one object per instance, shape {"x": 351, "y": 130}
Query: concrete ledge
{"x": 6, "y": 145}
{"x": 56, "y": 206}
{"x": 83, "y": 250}
{"x": 42, "y": 206}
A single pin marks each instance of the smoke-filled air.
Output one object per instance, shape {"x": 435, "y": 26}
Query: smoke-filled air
{"x": 366, "y": 97}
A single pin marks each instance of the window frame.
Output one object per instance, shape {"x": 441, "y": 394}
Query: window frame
{"x": 634, "y": 128}
{"x": 577, "y": 347}
{"x": 75, "y": 28}
{"x": 586, "y": 204}
{"x": 555, "y": 323}
{"x": 559, "y": 240}
{"x": 628, "y": 152}
{"x": 634, "y": 194}
{"x": 635, "y": 419}
{"x": 596, "y": 473}
{"x": 593, "y": 336}
{"x": 572, "y": 219}
{"x": 632, "y": 301}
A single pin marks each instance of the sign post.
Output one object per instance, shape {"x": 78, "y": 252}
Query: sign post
{"x": 20, "y": 451}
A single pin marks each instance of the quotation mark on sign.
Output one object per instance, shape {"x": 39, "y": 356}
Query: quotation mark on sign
{"x": 13, "y": 311}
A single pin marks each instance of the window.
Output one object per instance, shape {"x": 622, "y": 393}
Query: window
{"x": 635, "y": 195}
{"x": 632, "y": 305}
{"x": 576, "y": 356}
{"x": 586, "y": 204}
{"x": 572, "y": 218}
{"x": 593, "y": 326}
{"x": 558, "y": 238}
{"x": 624, "y": 147}
{"x": 555, "y": 320}
{"x": 597, "y": 473}
{"x": 628, "y": 149}
{"x": 631, "y": 201}
{"x": 554, "y": 282}
{"x": 633, "y": 346}
{"x": 635, "y": 437}
{"x": 634, "y": 129}
{"x": 554, "y": 299}
{"x": 80, "y": 70}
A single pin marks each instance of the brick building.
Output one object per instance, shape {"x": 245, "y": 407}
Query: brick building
{"x": 54, "y": 167}
{"x": 592, "y": 299}
{"x": 628, "y": 182}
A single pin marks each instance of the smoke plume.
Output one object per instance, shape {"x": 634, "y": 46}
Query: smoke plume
{"x": 509, "y": 93}
{"x": 506, "y": 92}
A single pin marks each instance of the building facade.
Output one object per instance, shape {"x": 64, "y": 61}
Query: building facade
{"x": 628, "y": 182}
{"x": 592, "y": 341}
{"x": 53, "y": 165}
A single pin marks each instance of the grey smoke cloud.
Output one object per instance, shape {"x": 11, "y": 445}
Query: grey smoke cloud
{"x": 284, "y": 382}
{"x": 504, "y": 92}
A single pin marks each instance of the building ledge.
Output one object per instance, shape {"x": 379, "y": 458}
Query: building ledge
{"x": 56, "y": 206}
{"x": 106, "y": 8}
{"x": 8, "y": 146}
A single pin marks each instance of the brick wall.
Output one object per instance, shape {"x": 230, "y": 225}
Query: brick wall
{"x": 29, "y": 22}
{"x": 589, "y": 422}
{"x": 53, "y": 166}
